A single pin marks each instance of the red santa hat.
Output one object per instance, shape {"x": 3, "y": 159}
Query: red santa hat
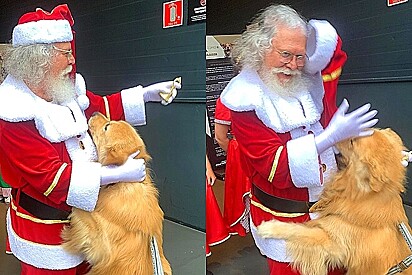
{"x": 42, "y": 27}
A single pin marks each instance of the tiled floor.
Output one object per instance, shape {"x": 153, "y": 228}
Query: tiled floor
{"x": 183, "y": 247}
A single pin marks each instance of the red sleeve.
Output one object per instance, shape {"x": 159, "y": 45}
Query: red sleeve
{"x": 97, "y": 104}
{"x": 330, "y": 77}
{"x": 222, "y": 113}
{"x": 30, "y": 162}
{"x": 259, "y": 145}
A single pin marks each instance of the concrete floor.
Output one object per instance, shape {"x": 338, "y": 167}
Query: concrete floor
{"x": 238, "y": 255}
{"x": 183, "y": 247}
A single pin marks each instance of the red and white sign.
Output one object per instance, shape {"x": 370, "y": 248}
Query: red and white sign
{"x": 173, "y": 14}
{"x": 395, "y": 2}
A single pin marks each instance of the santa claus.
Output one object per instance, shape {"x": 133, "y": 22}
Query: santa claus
{"x": 285, "y": 124}
{"x": 46, "y": 153}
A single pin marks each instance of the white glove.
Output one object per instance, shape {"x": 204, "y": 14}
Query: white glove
{"x": 343, "y": 126}
{"x": 131, "y": 171}
{"x": 406, "y": 158}
{"x": 168, "y": 89}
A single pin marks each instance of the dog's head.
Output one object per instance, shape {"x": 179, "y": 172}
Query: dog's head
{"x": 115, "y": 140}
{"x": 375, "y": 161}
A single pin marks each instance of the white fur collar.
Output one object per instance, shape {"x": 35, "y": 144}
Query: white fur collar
{"x": 54, "y": 122}
{"x": 246, "y": 92}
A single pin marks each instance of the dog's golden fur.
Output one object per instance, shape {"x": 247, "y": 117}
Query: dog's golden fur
{"x": 115, "y": 237}
{"x": 359, "y": 212}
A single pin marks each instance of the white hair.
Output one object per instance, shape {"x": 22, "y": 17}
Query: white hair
{"x": 250, "y": 49}
{"x": 29, "y": 63}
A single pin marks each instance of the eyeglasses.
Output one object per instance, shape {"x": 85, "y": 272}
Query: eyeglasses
{"x": 287, "y": 57}
{"x": 67, "y": 53}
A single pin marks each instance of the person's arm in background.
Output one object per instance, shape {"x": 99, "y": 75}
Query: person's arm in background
{"x": 222, "y": 125}
{"x": 221, "y": 131}
{"x": 210, "y": 175}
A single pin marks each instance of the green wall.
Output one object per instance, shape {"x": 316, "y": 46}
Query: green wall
{"x": 120, "y": 44}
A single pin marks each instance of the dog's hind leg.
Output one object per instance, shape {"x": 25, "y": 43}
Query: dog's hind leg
{"x": 311, "y": 249}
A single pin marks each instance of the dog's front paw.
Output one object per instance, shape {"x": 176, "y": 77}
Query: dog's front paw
{"x": 270, "y": 229}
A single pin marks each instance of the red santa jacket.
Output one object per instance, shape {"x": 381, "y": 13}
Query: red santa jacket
{"x": 46, "y": 152}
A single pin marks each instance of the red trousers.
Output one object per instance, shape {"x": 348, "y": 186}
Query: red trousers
{"x": 27, "y": 269}
{"x": 278, "y": 268}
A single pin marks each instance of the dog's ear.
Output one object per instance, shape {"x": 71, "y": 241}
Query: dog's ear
{"x": 115, "y": 155}
{"x": 381, "y": 157}
{"x": 143, "y": 153}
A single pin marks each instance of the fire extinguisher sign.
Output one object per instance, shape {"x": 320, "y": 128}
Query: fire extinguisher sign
{"x": 173, "y": 14}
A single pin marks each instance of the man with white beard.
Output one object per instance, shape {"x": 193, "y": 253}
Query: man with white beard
{"x": 285, "y": 123}
{"x": 46, "y": 153}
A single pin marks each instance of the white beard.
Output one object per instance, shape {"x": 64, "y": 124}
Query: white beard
{"x": 296, "y": 85}
{"x": 61, "y": 89}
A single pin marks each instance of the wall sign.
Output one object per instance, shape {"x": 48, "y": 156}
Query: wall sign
{"x": 395, "y": 2}
{"x": 197, "y": 12}
{"x": 173, "y": 14}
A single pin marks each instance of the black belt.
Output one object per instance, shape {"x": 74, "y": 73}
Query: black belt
{"x": 39, "y": 209}
{"x": 280, "y": 204}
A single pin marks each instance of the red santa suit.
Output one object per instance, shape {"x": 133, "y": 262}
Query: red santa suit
{"x": 276, "y": 138}
{"x": 47, "y": 153}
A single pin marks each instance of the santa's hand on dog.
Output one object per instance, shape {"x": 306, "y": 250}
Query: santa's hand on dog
{"x": 346, "y": 125}
{"x": 163, "y": 92}
{"x": 133, "y": 170}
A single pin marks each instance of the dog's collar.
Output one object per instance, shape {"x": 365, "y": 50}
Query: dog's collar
{"x": 407, "y": 262}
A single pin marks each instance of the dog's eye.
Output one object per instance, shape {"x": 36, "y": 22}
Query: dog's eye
{"x": 106, "y": 126}
{"x": 351, "y": 142}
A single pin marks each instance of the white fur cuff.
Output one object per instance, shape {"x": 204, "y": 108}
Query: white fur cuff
{"x": 84, "y": 185}
{"x": 304, "y": 161}
{"x": 133, "y": 106}
{"x": 320, "y": 46}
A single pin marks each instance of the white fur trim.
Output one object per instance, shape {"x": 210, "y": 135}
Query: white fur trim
{"x": 84, "y": 185}
{"x": 246, "y": 92}
{"x": 303, "y": 161}
{"x": 133, "y": 105}
{"x": 80, "y": 87}
{"x": 304, "y": 166}
{"x": 321, "y": 45}
{"x": 76, "y": 153}
{"x": 40, "y": 255}
{"x": 272, "y": 248}
{"x": 42, "y": 32}
{"x": 54, "y": 122}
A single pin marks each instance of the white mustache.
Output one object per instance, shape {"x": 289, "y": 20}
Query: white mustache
{"x": 285, "y": 71}
{"x": 67, "y": 70}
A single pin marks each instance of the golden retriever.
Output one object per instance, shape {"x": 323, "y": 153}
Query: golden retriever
{"x": 115, "y": 237}
{"x": 358, "y": 213}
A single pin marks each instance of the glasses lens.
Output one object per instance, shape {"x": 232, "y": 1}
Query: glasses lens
{"x": 300, "y": 60}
